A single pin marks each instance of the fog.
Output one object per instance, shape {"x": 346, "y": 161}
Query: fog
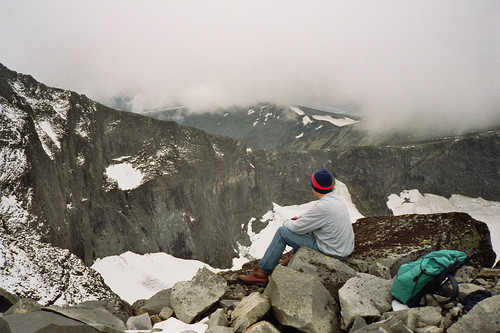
{"x": 424, "y": 66}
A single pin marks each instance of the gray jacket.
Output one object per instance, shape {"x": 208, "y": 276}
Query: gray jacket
{"x": 329, "y": 222}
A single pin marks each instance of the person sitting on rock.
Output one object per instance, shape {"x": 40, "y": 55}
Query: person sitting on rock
{"x": 326, "y": 228}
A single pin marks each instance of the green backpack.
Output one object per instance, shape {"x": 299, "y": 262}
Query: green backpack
{"x": 428, "y": 275}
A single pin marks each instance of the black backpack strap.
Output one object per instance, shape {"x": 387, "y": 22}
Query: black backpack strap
{"x": 454, "y": 294}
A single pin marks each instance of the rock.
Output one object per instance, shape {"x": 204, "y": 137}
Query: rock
{"x": 389, "y": 325}
{"x": 218, "y": 318}
{"x": 99, "y": 318}
{"x": 156, "y": 303}
{"x": 380, "y": 270}
{"x": 489, "y": 273}
{"x": 484, "y": 317}
{"x": 116, "y": 306}
{"x": 358, "y": 264}
{"x": 42, "y": 321}
{"x": 429, "y": 329}
{"x": 466, "y": 274}
{"x": 358, "y": 323}
{"x": 229, "y": 303}
{"x": 262, "y": 327}
{"x": 155, "y": 319}
{"x": 366, "y": 296}
{"x": 141, "y": 322}
{"x": 24, "y": 305}
{"x": 389, "y": 237}
{"x": 250, "y": 310}
{"x": 166, "y": 313}
{"x": 137, "y": 305}
{"x": 332, "y": 272}
{"x": 301, "y": 301}
{"x": 7, "y": 299}
{"x": 190, "y": 299}
{"x": 413, "y": 317}
{"x": 220, "y": 329}
{"x": 464, "y": 289}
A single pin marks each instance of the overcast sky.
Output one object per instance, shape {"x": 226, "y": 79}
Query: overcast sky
{"x": 403, "y": 64}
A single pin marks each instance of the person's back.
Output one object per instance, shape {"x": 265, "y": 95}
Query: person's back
{"x": 329, "y": 221}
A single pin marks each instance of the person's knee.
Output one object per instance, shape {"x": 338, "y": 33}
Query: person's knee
{"x": 283, "y": 231}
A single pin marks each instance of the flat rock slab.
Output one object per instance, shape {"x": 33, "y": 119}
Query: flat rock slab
{"x": 99, "y": 318}
{"x": 42, "y": 321}
{"x": 385, "y": 236}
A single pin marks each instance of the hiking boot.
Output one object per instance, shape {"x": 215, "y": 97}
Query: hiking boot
{"x": 286, "y": 260}
{"x": 258, "y": 277}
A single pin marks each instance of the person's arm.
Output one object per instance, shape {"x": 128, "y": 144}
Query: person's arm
{"x": 312, "y": 220}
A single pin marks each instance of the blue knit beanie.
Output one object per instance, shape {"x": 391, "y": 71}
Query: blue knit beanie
{"x": 322, "y": 181}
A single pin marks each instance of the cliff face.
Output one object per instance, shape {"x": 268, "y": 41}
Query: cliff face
{"x": 194, "y": 193}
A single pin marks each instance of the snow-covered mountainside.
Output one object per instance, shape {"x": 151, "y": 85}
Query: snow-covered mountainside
{"x": 265, "y": 125}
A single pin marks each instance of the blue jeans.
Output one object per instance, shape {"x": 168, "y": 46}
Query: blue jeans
{"x": 282, "y": 238}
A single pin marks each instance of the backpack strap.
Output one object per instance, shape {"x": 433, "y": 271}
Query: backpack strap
{"x": 454, "y": 294}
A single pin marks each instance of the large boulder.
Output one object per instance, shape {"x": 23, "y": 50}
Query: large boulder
{"x": 366, "y": 296}
{"x": 332, "y": 272}
{"x": 190, "y": 299}
{"x": 394, "y": 240}
{"x": 301, "y": 301}
{"x": 484, "y": 317}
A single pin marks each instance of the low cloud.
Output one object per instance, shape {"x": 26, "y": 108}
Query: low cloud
{"x": 405, "y": 65}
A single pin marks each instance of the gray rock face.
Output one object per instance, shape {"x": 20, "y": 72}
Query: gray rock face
{"x": 190, "y": 299}
{"x": 483, "y": 317}
{"x": 301, "y": 301}
{"x": 332, "y": 272}
{"x": 366, "y": 296}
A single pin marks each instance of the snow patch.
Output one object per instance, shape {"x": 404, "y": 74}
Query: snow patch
{"x": 297, "y": 110}
{"x": 49, "y": 131}
{"x": 251, "y": 112}
{"x": 299, "y": 136}
{"x": 340, "y": 122}
{"x": 306, "y": 120}
{"x": 125, "y": 175}
{"x": 133, "y": 276}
